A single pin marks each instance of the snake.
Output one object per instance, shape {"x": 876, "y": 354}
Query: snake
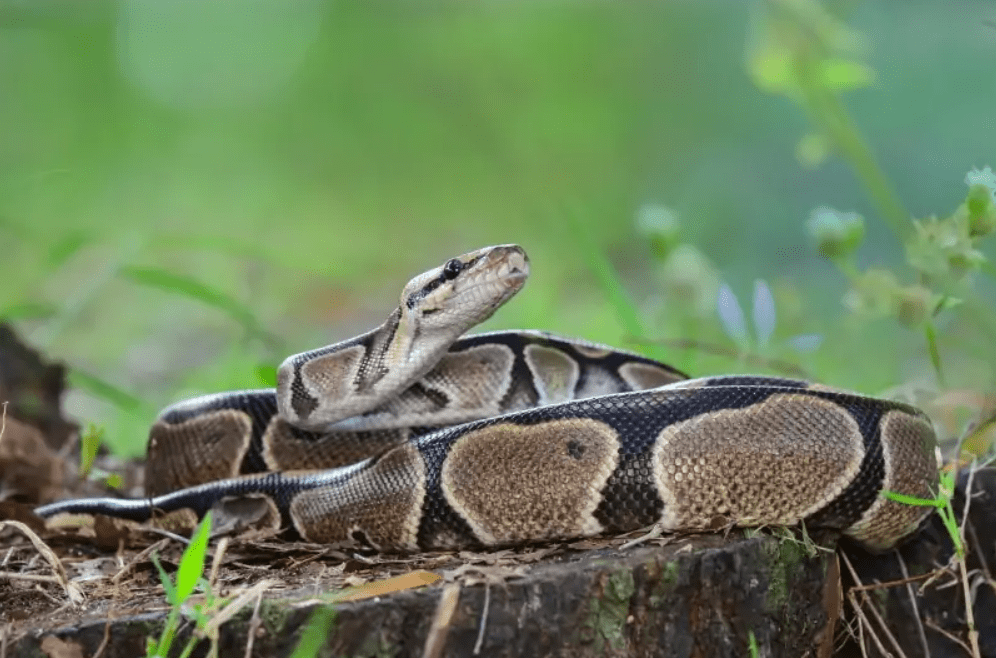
{"x": 415, "y": 437}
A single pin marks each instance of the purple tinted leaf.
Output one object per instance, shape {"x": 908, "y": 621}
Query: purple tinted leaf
{"x": 731, "y": 315}
{"x": 764, "y": 312}
{"x": 805, "y": 343}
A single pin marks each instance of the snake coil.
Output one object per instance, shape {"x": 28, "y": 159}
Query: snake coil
{"x": 410, "y": 437}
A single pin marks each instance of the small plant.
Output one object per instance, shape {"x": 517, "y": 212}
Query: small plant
{"x": 752, "y": 645}
{"x": 315, "y": 632}
{"x": 188, "y": 575}
{"x": 945, "y": 509}
{"x": 942, "y": 502}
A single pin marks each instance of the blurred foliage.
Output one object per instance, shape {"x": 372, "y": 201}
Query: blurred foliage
{"x": 190, "y": 191}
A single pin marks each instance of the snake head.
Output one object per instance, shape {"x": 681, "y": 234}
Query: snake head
{"x": 463, "y": 291}
{"x": 318, "y": 388}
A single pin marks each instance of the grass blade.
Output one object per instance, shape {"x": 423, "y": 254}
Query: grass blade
{"x": 180, "y": 284}
{"x": 315, "y": 632}
{"x": 192, "y": 563}
{"x": 625, "y": 310}
{"x": 102, "y": 389}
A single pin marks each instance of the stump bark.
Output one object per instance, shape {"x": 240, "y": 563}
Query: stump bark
{"x": 699, "y": 598}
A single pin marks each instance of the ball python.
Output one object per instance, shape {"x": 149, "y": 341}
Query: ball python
{"x": 411, "y": 437}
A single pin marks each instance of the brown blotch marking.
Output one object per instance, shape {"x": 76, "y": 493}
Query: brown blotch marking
{"x": 514, "y": 483}
{"x": 238, "y": 513}
{"x": 592, "y": 351}
{"x": 331, "y": 378}
{"x": 208, "y": 447}
{"x": 641, "y": 376}
{"x": 774, "y": 462}
{"x": 908, "y": 443}
{"x": 381, "y": 504}
{"x": 471, "y": 379}
{"x": 555, "y": 373}
{"x": 288, "y": 449}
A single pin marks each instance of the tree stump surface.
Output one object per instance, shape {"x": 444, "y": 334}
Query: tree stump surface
{"x": 695, "y": 597}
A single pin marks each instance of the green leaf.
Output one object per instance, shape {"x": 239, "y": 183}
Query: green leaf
{"x": 192, "y": 563}
{"x": 315, "y": 633}
{"x": 28, "y": 311}
{"x": 812, "y": 150}
{"x": 844, "y": 74}
{"x": 626, "y": 311}
{"x": 89, "y": 445}
{"x": 266, "y": 374}
{"x": 772, "y": 71}
{"x": 190, "y": 287}
{"x": 64, "y": 249}
{"x": 913, "y": 500}
{"x": 105, "y": 390}
{"x": 166, "y": 581}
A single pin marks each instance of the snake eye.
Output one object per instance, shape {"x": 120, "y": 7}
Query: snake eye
{"x": 451, "y": 269}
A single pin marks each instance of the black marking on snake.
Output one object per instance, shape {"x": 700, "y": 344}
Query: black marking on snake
{"x": 372, "y": 368}
{"x": 575, "y": 449}
{"x": 262, "y": 407}
{"x": 863, "y": 490}
{"x": 302, "y": 402}
{"x": 450, "y": 271}
{"x": 436, "y": 398}
{"x": 438, "y": 517}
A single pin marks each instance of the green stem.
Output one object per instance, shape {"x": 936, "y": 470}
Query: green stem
{"x": 827, "y": 112}
{"x": 935, "y": 354}
{"x": 625, "y": 310}
{"x": 191, "y": 643}
{"x": 169, "y": 630}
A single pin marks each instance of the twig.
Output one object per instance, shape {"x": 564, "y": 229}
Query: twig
{"x": 654, "y": 533}
{"x": 219, "y": 552}
{"x": 780, "y": 365}
{"x": 973, "y": 631}
{"x": 72, "y": 591}
{"x": 171, "y": 535}
{"x": 852, "y": 597}
{"x": 104, "y": 642}
{"x": 41, "y": 578}
{"x": 144, "y": 555}
{"x": 253, "y": 626}
{"x": 435, "y": 641}
{"x": 239, "y": 602}
{"x": 896, "y": 583}
{"x": 951, "y": 636}
{"x": 913, "y": 603}
{"x": 484, "y": 618}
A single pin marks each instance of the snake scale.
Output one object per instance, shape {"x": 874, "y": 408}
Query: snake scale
{"x": 411, "y": 437}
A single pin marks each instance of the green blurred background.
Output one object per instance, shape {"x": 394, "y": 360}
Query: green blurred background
{"x": 189, "y": 191}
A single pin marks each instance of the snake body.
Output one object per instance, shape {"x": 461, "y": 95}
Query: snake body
{"x": 412, "y": 438}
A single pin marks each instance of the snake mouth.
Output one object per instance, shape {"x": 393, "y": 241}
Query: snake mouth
{"x": 493, "y": 277}
{"x": 513, "y": 265}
